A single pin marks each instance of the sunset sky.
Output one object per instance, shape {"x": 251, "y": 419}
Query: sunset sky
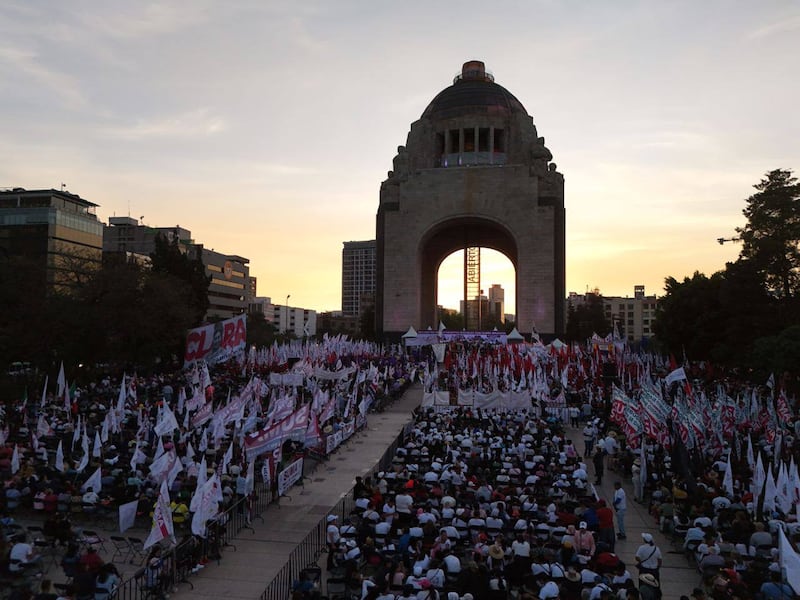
{"x": 266, "y": 127}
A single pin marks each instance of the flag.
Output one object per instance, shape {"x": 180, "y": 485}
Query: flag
{"x": 727, "y": 480}
{"x": 15, "y": 460}
{"x": 61, "y": 381}
{"x": 97, "y": 450}
{"x": 44, "y": 392}
{"x": 43, "y": 428}
{"x": 676, "y": 375}
{"x": 206, "y": 504}
{"x": 95, "y": 482}
{"x": 227, "y": 458}
{"x": 250, "y": 478}
{"x": 771, "y": 381}
{"x": 60, "y": 457}
{"x": 162, "y": 528}
{"x": 127, "y": 515}
{"x": 167, "y": 423}
{"x": 789, "y": 561}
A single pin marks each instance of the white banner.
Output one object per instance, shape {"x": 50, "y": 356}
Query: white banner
{"x": 127, "y": 515}
{"x": 289, "y": 476}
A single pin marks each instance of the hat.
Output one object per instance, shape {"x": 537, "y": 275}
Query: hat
{"x": 549, "y": 590}
{"x": 417, "y": 570}
{"x": 467, "y": 596}
{"x": 582, "y": 525}
{"x": 647, "y": 537}
{"x": 572, "y": 574}
{"x": 330, "y": 518}
{"x": 648, "y": 579}
{"x": 496, "y": 552}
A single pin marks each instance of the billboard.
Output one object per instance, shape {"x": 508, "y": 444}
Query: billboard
{"x": 216, "y": 342}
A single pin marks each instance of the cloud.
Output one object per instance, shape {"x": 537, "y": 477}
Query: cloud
{"x": 195, "y": 123}
{"x": 153, "y": 19}
{"x": 778, "y": 27}
{"x": 28, "y": 64}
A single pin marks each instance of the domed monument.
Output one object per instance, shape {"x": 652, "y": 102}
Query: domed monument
{"x": 474, "y": 173}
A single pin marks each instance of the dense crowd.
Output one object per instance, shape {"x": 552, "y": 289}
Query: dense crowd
{"x": 479, "y": 503}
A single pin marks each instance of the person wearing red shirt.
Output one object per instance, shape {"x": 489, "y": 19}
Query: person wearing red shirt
{"x": 605, "y": 524}
{"x": 91, "y": 560}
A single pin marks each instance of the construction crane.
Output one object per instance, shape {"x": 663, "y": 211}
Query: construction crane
{"x": 721, "y": 241}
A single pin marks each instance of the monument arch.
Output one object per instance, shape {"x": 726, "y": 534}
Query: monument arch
{"x": 473, "y": 173}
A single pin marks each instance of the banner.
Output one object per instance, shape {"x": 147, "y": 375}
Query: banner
{"x": 127, "y": 515}
{"x": 289, "y": 476}
{"x": 292, "y": 427}
{"x": 216, "y": 342}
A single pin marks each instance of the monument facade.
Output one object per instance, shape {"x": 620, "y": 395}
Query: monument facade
{"x": 473, "y": 173}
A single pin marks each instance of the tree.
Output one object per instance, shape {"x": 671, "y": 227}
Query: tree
{"x": 586, "y": 318}
{"x": 260, "y": 332}
{"x": 169, "y": 258}
{"x": 772, "y": 234}
{"x": 688, "y": 318}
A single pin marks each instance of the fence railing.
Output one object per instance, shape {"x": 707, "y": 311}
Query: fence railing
{"x": 309, "y": 550}
{"x": 174, "y": 566}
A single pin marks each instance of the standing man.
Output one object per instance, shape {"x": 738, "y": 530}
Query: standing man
{"x": 620, "y": 506}
{"x": 332, "y": 537}
{"x": 589, "y": 433}
{"x": 638, "y": 484}
{"x": 648, "y": 557}
{"x": 597, "y": 459}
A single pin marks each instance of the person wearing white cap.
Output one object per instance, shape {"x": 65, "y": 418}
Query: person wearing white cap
{"x": 332, "y": 537}
{"x": 648, "y": 556}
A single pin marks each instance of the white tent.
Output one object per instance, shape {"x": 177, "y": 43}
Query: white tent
{"x": 411, "y": 333}
{"x": 515, "y": 337}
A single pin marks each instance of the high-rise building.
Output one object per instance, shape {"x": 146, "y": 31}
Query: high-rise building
{"x": 56, "y": 231}
{"x": 497, "y": 302}
{"x": 138, "y": 241}
{"x": 231, "y": 288}
{"x": 632, "y": 317}
{"x": 358, "y": 277}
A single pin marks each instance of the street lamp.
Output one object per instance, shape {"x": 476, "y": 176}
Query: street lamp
{"x": 286, "y": 329}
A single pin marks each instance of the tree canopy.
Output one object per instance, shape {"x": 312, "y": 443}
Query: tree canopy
{"x": 771, "y": 236}
{"x": 738, "y": 315}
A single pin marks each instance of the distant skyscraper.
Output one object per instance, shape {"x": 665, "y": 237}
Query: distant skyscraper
{"x": 358, "y": 276}
{"x": 497, "y": 301}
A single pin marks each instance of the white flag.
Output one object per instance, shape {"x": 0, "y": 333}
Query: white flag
{"x": 167, "y": 423}
{"x": 727, "y": 480}
{"x": 127, "y": 515}
{"x": 162, "y": 528}
{"x": 60, "y": 457}
{"x": 61, "y": 381}
{"x": 189, "y": 451}
{"x": 95, "y": 482}
{"x": 97, "y": 451}
{"x": 677, "y": 375}
{"x": 790, "y": 561}
{"x": 207, "y": 506}
{"x": 159, "y": 450}
{"x": 15, "y": 460}
{"x": 44, "y": 391}
{"x": 227, "y": 458}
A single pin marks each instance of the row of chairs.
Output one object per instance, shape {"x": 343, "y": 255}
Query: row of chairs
{"x": 132, "y": 548}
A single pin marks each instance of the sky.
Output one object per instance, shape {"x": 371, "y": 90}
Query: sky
{"x": 266, "y": 127}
